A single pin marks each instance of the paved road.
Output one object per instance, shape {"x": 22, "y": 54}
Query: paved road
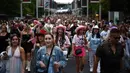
{"x": 71, "y": 66}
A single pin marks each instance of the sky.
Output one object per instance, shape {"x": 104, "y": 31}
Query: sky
{"x": 63, "y": 1}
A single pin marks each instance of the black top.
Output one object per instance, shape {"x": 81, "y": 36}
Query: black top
{"x": 4, "y": 42}
{"x": 25, "y": 37}
{"x": 110, "y": 62}
{"x": 72, "y": 29}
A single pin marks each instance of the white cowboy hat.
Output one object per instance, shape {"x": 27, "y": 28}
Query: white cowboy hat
{"x": 79, "y": 27}
{"x": 96, "y": 27}
{"x": 93, "y": 21}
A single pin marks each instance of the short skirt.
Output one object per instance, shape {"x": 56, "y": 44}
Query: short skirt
{"x": 83, "y": 51}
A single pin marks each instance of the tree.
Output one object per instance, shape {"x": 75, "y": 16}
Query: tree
{"x": 105, "y": 5}
{"x": 94, "y": 8}
{"x": 10, "y": 7}
{"x": 29, "y": 8}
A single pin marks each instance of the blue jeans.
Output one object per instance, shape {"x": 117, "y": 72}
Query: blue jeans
{"x": 126, "y": 62}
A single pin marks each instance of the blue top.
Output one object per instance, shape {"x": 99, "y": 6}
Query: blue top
{"x": 94, "y": 42}
{"x": 57, "y": 56}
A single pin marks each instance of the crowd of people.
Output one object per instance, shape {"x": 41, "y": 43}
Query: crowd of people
{"x": 43, "y": 45}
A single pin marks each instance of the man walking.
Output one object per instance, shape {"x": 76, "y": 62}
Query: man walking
{"x": 109, "y": 54}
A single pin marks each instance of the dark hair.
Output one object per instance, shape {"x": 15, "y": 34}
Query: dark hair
{"x": 4, "y": 26}
{"x": 97, "y": 35}
{"x": 104, "y": 27}
{"x": 128, "y": 34}
{"x": 11, "y": 38}
{"x": 37, "y": 40}
{"x": 114, "y": 31}
{"x": 63, "y": 37}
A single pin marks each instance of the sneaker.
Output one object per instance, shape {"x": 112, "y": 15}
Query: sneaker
{"x": 91, "y": 69}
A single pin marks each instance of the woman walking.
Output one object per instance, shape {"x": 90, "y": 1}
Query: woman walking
{"x": 50, "y": 58}
{"x": 95, "y": 40}
{"x": 78, "y": 43}
{"x": 39, "y": 43}
{"x": 16, "y": 56}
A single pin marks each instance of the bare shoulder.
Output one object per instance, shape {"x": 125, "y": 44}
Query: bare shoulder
{"x": 7, "y": 48}
{"x": 21, "y": 49}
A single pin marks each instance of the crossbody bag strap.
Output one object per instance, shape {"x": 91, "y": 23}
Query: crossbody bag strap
{"x": 49, "y": 58}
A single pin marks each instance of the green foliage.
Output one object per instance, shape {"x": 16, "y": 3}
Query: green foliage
{"x": 29, "y": 8}
{"x": 105, "y": 5}
{"x": 10, "y": 7}
{"x": 94, "y": 7}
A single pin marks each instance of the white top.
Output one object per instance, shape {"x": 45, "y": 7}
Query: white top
{"x": 16, "y": 52}
{"x": 104, "y": 34}
{"x": 78, "y": 40}
{"x": 67, "y": 41}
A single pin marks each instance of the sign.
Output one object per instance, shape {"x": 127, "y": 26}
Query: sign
{"x": 26, "y": 1}
{"x": 94, "y": 1}
{"x": 46, "y": 4}
{"x": 40, "y": 3}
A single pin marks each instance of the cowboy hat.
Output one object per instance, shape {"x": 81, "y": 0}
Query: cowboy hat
{"x": 79, "y": 28}
{"x": 61, "y": 26}
{"x": 41, "y": 32}
{"x": 96, "y": 27}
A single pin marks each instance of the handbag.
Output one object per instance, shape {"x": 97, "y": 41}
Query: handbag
{"x": 46, "y": 71}
{"x": 78, "y": 51}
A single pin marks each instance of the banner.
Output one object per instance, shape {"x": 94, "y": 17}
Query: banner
{"x": 46, "y": 4}
{"x": 94, "y": 1}
{"x": 40, "y": 3}
{"x": 26, "y": 1}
